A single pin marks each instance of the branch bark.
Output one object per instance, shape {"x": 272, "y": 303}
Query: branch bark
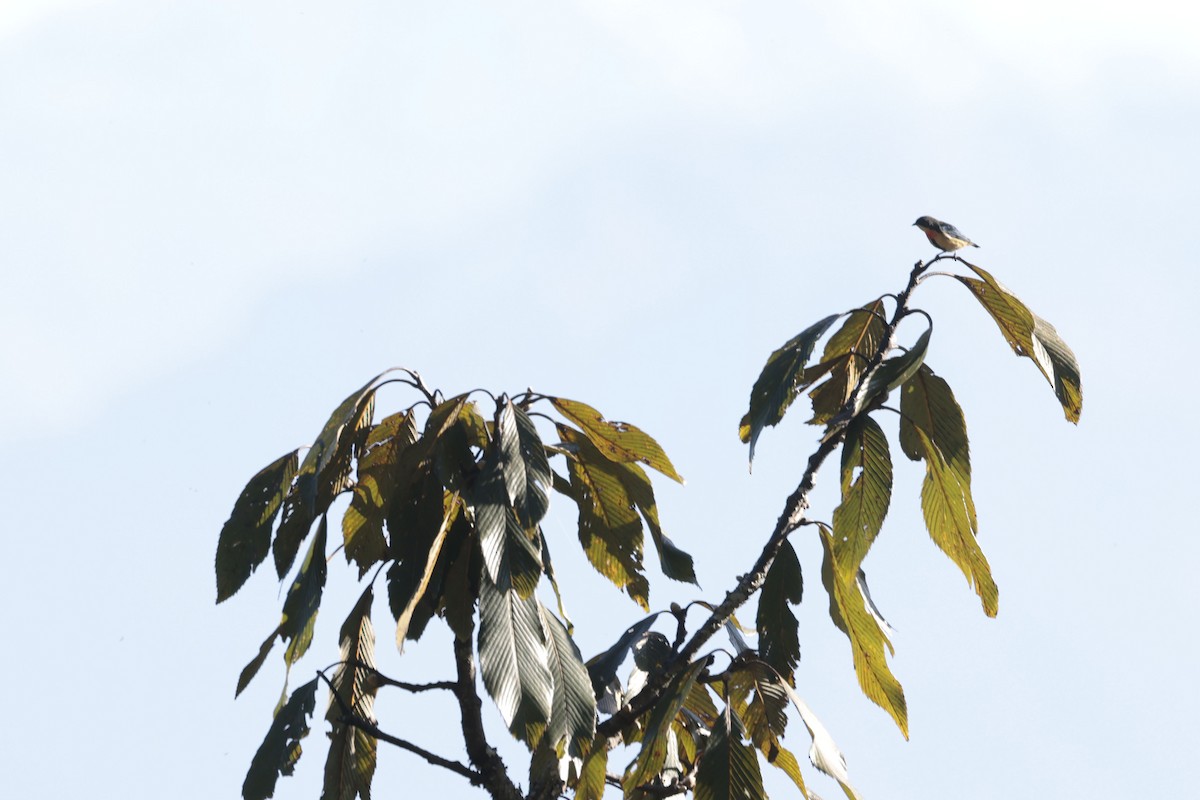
{"x": 792, "y": 517}
{"x": 493, "y": 773}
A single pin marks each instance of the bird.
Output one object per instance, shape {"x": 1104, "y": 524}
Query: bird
{"x": 943, "y": 235}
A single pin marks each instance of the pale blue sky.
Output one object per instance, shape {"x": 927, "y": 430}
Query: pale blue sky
{"x": 217, "y": 219}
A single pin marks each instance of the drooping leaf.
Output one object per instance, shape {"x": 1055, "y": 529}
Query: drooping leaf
{"x": 778, "y": 636}
{"x": 591, "y": 777}
{"x": 846, "y": 355}
{"x": 548, "y": 567}
{"x": 729, "y": 767}
{"x": 323, "y": 472}
{"x": 350, "y": 765}
{"x": 610, "y": 528}
{"x": 280, "y": 749}
{"x": 619, "y": 441}
{"x": 676, "y": 563}
{"x": 656, "y": 738}
{"x": 926, "y": 403}
{"x": 462, "y": 588}
{"x": 867, "y": 640}
{"x": 573, "y": 710}
{"x": 251, "y": 669}
{"x": 304, "y": 598}
{"x": 510, "y": 553}
{"x": 452, "y": 508}
{"x": 246, "y": 536}
{"x": 866, "y": 493}
{"x": 780, "y": 381}
{"x": 379, "y": 471}
{"x": 1030, "y": 336}
{"x": 523, "y": 463}
{"x": 950, "y": 517}
{"x": 514, "y": 660}
{"x": 824, "y": 753}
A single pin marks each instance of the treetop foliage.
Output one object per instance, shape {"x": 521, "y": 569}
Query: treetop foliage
{"x": 446, "y": 502}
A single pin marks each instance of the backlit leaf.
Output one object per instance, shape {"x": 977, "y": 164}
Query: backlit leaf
{"x": 950, "y": 518}
{"x": 610, "y": 528}
{"x": 603, "y": 667}
{"x": 280, "y": 749}
{"x": 379, "y": 471}
{"x": 251, "y": 669}
{"x": 246, "y": 536}
{"x": 674, "y": 561}
{"x": 780, "y": 381}
{"x": 894, "y": 371}
{"x": 866, "y": 493}
{"x": 304, "y": 598}
{"x": 927, "y": 403}
{"x": 452, "y": 508}
{"x": 867, "y": 639}
{"x": 656, "y": 739}
{"x": 618, "y": 441}
{"x": 1031, "y": 336}
{"x": 591, "y": 777}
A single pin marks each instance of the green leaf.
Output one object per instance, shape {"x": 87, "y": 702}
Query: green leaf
{"x": 525, "y": 469}
{"x": 780, "y": 381}
{"x": 246, "y": 536}
{"x": 280, "y": 749}
{"x": 1031, "y": 336}
{"x": 591, "y": 777}
{"x": 350, "y": 765}
{"x": 573, "y": 710}
{"x": 927, "y": 404}
{"x": 656, "y": 739}
{"x": 610, "y": 528}
{"x": 866, "y": 493}
{"x": 380, "y": 469}
{"x": 729, "y": 768}
{"x": 461, "y": 589}
{"x": 675, "y": 562}
{"x": 778, "y": 637}
{"x": 514, "y": 660}
{"x": 304, "y": 599}
{"x": 324, "y": 472}
{"x": 251, "y": 669}
{"x": 861, "y": 334}
{"x": 893, "y": 372}
{"x": 950, "y": 517}
{"x": 511, "y": 555}
{"x": 867, "y": 639}
{"x": 416, "y": 515}
{"x": 452, "y": 508}
{"x": 618, "y": 441}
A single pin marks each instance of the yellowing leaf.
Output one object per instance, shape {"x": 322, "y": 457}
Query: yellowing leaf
{"x": 618, "y": 441}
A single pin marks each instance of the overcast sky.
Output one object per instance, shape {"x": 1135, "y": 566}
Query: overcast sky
{"x": 217, "y": 219}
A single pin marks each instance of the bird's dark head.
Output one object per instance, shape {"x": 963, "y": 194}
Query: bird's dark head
{"x": 926, "y": 222}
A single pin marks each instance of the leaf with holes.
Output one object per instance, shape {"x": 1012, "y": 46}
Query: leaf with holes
{"x": 866, "y": 493}
{"x": 280, "y": 749}
{"x": 780, "y": 381}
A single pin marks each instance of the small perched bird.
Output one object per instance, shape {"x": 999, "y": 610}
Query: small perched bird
{"x": 943, "y": 235}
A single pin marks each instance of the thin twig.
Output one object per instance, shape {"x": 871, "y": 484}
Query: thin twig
{"x": 349, "y": 717}
{"x": 792, "y": 517}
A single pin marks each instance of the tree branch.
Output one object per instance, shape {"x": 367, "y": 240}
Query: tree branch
{"x": 789, "y": 520}
{"x": 493, "y": 773}
{"x": 349, "y": 717}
